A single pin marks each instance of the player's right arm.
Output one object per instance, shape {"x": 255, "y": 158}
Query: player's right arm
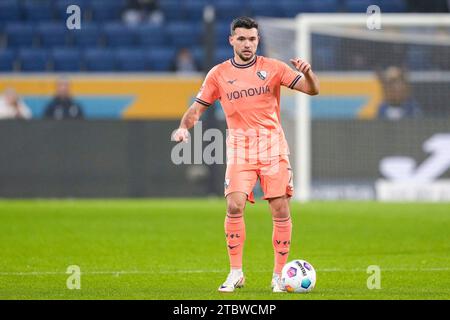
{"x": 190, "y": 118}
{"x": 209, "y": 92}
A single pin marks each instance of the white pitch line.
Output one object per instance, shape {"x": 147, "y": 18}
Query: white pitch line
{"x": 127, "y": 272}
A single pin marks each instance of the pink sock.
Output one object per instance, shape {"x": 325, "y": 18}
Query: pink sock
{"x": 281, "y": 237}
{"x": 235, "y": 236}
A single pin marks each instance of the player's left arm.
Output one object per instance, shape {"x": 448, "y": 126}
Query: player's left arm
{"x": 309, "y": 83}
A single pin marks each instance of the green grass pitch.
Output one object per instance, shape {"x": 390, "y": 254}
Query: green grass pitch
{"x": 175, "y": 249}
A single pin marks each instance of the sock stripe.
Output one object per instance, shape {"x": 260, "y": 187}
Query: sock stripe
{"x": 282, "y": 220}
{"x": 234, "y": 217}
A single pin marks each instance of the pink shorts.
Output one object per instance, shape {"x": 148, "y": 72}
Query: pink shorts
{"x": 275, "y": 177}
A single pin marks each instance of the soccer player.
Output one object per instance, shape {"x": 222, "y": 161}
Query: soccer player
{"x": 248, "y": 87}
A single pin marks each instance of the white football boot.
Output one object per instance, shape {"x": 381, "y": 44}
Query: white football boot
{"x": 276, "y": 284}
{"x": 234, "y": 280}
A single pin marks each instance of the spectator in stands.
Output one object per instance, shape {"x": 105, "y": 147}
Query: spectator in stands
{"x": 140, "y": 11}
{"x": 398, "y": 103}
{"x": 184, "y": 62}
{"x": 12, "y": 107}
{"x": 63, "y": 105}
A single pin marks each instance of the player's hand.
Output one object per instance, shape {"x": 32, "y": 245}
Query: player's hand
{"x": 180, "y": 134}
{"x": 301, "y": 65}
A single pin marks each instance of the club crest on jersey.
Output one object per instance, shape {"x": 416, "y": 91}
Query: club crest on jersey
{"x": 262, "y": 75}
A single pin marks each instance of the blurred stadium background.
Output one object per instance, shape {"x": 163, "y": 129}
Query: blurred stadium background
{"x": 379, "y": 130}
{"x": 122, "y": 72}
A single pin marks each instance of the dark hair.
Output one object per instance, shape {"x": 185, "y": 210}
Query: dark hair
{"x": 243, "y": 22}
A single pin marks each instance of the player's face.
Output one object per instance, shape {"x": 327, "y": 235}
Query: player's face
{"x": 245, "y": 43}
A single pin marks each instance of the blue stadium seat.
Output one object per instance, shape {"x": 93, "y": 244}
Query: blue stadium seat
{"x": 227, "y": 10}
{"x": 198, "y": 53}
{"x": 265, "y": 8}
{"x": 7, "y": 58}
{"x": 106, "y": 10}
{"x": 223, "y": 54}
{"x": 391, "y": 5}
{"x": 185, "y": 34}
{"x": 33, "y": 59}
{"x": 327, "y": 6}
{"x": 89, "y": 35}
{"x": 172, "y": 9}
{"x": 99, "y": 60}
{"x": 132, "y": 59}
{"x": 194, "y": 9}
{"x": 357, "y": 6}
{"x": 38, "y": 10}
{"x": 83, "y": 4}
{"x": 222, "y": 32}
{"x": 118, "y": 34}
{"x": 10, "y": 11}
{"x": 151, "y": 35}
{"x": 292, "y": 8}
{"x": 161, "y": 58}
{"x": 20, "y": 34}
{"x": 53, "y": 34}
{"x": 66, "y": 59}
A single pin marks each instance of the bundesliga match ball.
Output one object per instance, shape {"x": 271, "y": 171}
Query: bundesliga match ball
{"x": 298, "y": 276}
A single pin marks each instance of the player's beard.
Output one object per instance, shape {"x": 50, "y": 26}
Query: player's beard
{"x": 244, "y": 58}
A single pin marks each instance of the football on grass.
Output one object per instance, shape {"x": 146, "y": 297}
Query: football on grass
{"x": 298, "y": 276}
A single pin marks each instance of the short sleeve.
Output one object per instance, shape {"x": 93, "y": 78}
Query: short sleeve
{"x": 209, "y": 91}
{"x": 289, "y": 77}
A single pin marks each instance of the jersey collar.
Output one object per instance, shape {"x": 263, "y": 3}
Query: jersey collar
{"x": 245, "y": 65}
